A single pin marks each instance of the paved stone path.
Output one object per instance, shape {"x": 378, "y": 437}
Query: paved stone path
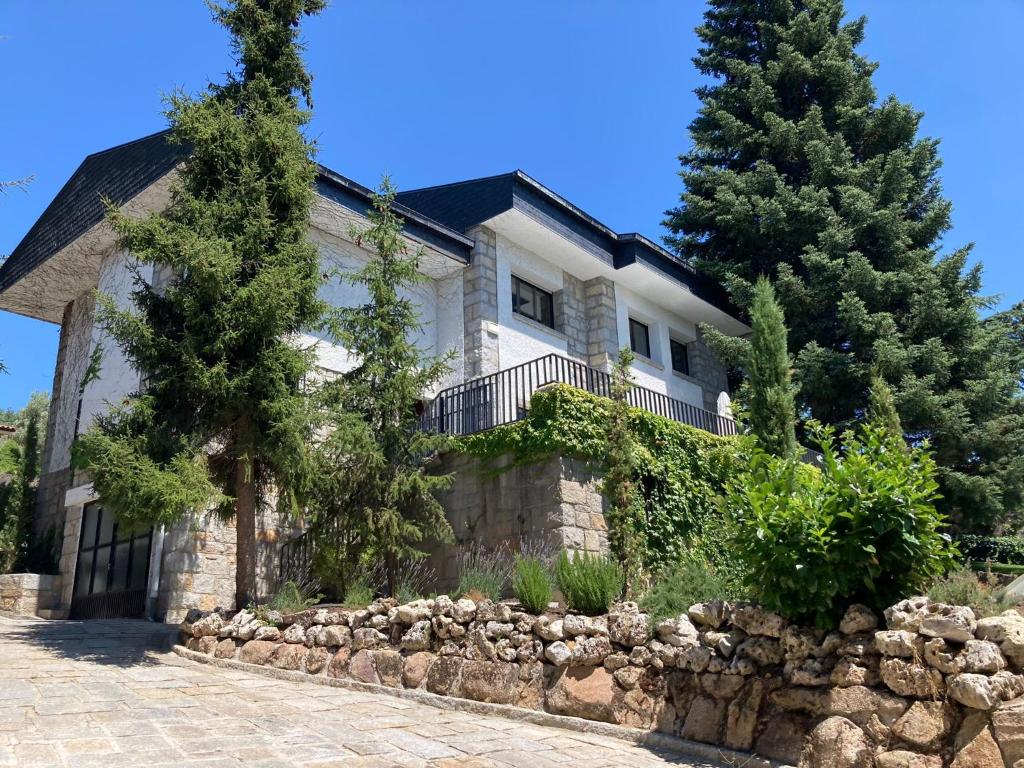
{"x": 95, "y": 694}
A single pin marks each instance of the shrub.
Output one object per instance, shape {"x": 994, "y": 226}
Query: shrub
{"x": 589, "y": 583}
{"x": 358, "y": 594}
{"x": 482, "y": 572}
{"x": 963, "y": 587}
{"x": 999, "y": 549}
{"x": 692, "y": 580}
{"x": 531, "y": 584}
{"x": 292, "y": 598}
{"x": 863, "y": 529}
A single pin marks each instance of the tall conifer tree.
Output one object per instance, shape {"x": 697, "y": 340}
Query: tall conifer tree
{"x": 771, "y": 408}
{"x": 800, "y": 173}
{"x": 215, "y": 420}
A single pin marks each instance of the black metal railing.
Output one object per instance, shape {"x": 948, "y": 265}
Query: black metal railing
{"x": 296, "y": 559}
{"x": 504, "y": 398}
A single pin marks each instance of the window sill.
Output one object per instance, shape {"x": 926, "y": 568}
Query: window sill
{"x": 648, "y": 361}
{"x": 530, "y": 323}
{"x": 687, "y": 377}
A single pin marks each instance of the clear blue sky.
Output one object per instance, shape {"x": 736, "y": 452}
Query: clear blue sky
{"x": 591, "y": 97}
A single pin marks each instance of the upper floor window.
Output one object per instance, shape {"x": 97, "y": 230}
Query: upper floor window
{"x": 530, "y": 301}
{"x": 640, "y": 338}
{"x": 680, "y": 360}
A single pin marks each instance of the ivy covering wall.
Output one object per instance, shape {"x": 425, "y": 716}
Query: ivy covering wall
{"x": 681, "y": 470}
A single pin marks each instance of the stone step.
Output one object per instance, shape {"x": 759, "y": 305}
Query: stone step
{"x": 51, "y": 613}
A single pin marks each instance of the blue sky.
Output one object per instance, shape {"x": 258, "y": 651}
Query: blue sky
{"x": 590, "y": 97}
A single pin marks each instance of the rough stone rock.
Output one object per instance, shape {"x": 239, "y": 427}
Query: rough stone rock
{"x": 677, "y": 632}
{"x": 207, "y": 626}
{"x": 530, "y": 687}
{"x": 950, "y": 622}
{"x": 558, "y": 653}
{"x": 809, "y": 672}
{"x": 711, "y": 614}
{"x": 782, "y": 737}
{"x": 975, "y": 746}
{"x": 504, "y": 650}
{"x": 530, "y": 652}
{"x": 269, "y": 633}
{"x": 851, "y": 670}
{"x": 829, "y": 645}
{"x": 907, "y": 614}
{"x": 389, "y": 666}
{"x": 862, "y": 644}
{"x": 288, "y": 656}
{"x": 616, "y": 661}
{"x": 443, "y": 674}
{"x": 314, "y": 635}
{"x": 982, "y": 656}
{"x": 1008, "y": 729}
{"x": 247, "y": 631}
{"x": 765, "y": 651}
{"x": 901, "y": 758}
{"x": 755, "y": 620}
{"x": 228, "y": 630}
{"x": 338, "y": 666}
{"x": 495, "y": 630}
{"x": 858, "y": 618}
{"x": 380, "y": 622}
{"x": 464, "y": 611}
{"x": 838, "y": 743}
{"x": 242, "y": 617}
{"x": 443, "y": 606}
{"x": 361, "y": 667}
{"x": 587, "y": 692}
{"x": 415, "y": 666}
{"x": 591, "y": 650}
{"x": 336, "y": 635}
{"x": 974, "y": 690}
{"x": 704, "y": 720}
{"x": 548, "y": 628}
{"x": 857, "y": 703}
{"x": 694, "y": 657}
{"x": 257, "y": 652}
{"x": 316, "y": 660}
{"x": 365, "y": 637}
{"x": 413, "y": 612}
{"x": 899, "y": 642}
{"x": 493, "y": 682}
{"x": 628, "y": 677}
{"x": 925, "y": 725}
{"x": 225, "y": 649}
{"x": 943, "y": 657}
{"x": 908, "y": 678}
{"x": 478, "y": 647}
{"x": 358, "y": 618}
{"x": 296, "y": 633}
{"x": 417, "y": 637}
{"x": 798, "y": 642}
{"x": 721, "y": 686}
{"x": 628, "y": 627}
{"x": 205, "y": 644}
{"x": 998, "y": 628}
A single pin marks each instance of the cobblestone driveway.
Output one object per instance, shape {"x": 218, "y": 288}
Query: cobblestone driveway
{"x": 93, "y": 694}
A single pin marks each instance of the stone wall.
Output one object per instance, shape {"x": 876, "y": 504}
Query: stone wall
{"x": 936, "y": 688}
{"x": 554, "y": 502}
{"x": 480, "y": 318}
{"x": 708, "y": 371}
{"x": 26, "y": 594}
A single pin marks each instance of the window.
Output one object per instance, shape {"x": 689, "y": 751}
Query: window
{"x": 680, "y": 361}
{"x": 639, "y": 338}
{"x": 532, "y": 302}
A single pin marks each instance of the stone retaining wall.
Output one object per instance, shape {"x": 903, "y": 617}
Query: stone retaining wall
{"x": 25, "y": 594}
{"x": 937, "y": 687}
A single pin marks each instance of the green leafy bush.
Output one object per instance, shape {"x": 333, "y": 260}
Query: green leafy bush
{"x": 291, "y": 598}
{"x": 359, "y": 593}
{"x": 589, "y": 583}
{"x": 964, "y": 587}
{"x": 531, "y": 584}
{"x": 483, "y": 572}
{"x": 999, "y": 549}
{"x": 691, "y": 581}
{"x": 862, "y": 529}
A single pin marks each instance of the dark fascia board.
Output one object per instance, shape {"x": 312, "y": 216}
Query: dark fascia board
{"x": 123, "y": 171}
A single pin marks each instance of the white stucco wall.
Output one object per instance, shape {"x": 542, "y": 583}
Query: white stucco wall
{"x": 519, "y": 339}
{"x": 657, "y": 373}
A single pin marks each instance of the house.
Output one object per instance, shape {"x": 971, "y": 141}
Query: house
{"x": 523, "y": 285}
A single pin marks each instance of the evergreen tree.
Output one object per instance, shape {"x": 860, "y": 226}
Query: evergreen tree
{"x": 770, "y": 406}
{"x": 26, "y": 493}
{"x": 625, "y": 505}
{"x": 374, "y": 488}
{"x": 798, "y": 172}
{"x": 882, "y": 407}
{"x": 218, "y": 419}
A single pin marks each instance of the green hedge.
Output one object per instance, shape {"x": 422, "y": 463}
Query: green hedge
{"x": 1000, "y": 549}
{"x": 680, "y": 469}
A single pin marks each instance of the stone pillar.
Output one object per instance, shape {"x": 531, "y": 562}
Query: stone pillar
{"x": 602, "y": 324}
{"x": 708, "y": 371}
{"x": 69, "y": 552}
{"x": 571, "y": 316}
{"x": 480, "y": 288}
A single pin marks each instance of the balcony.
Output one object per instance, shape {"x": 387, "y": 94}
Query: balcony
{"x": 504, "y": 398}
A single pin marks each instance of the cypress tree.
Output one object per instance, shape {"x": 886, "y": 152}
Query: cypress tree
{"x": 882, "y": 407}
{"x": 771, "y": 409}
{"x": 218, "y": 419}
{"x": 800, "y": 173}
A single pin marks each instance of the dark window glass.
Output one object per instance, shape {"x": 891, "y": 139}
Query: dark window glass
{"x": 639, "y": 338}
{"x": 532, "y": 302}
{"x": 680, "y": 361}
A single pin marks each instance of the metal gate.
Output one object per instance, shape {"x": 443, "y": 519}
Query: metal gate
{"x": 113, "y": 565}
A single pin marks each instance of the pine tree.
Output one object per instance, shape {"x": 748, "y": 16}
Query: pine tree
{"x": 798, "y": 172}
{"x": 217, "y": 421}
{"x": 29, "y": 471}
{"x": 770, "y": 407}
{"x": 625, "y": 506}
{"x": 375, "y": 488}
{"x": 882, "y": 407}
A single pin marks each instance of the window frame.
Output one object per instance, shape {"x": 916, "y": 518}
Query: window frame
{"x": 540, "y": 297}
{"x": 647, "y": 338}
{"x": 672, "y": 344}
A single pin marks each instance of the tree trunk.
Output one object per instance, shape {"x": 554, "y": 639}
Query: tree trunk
{"x": 245, "y": 535}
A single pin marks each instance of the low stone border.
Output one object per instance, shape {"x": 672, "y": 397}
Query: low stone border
{"x": 653, "y": 739}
